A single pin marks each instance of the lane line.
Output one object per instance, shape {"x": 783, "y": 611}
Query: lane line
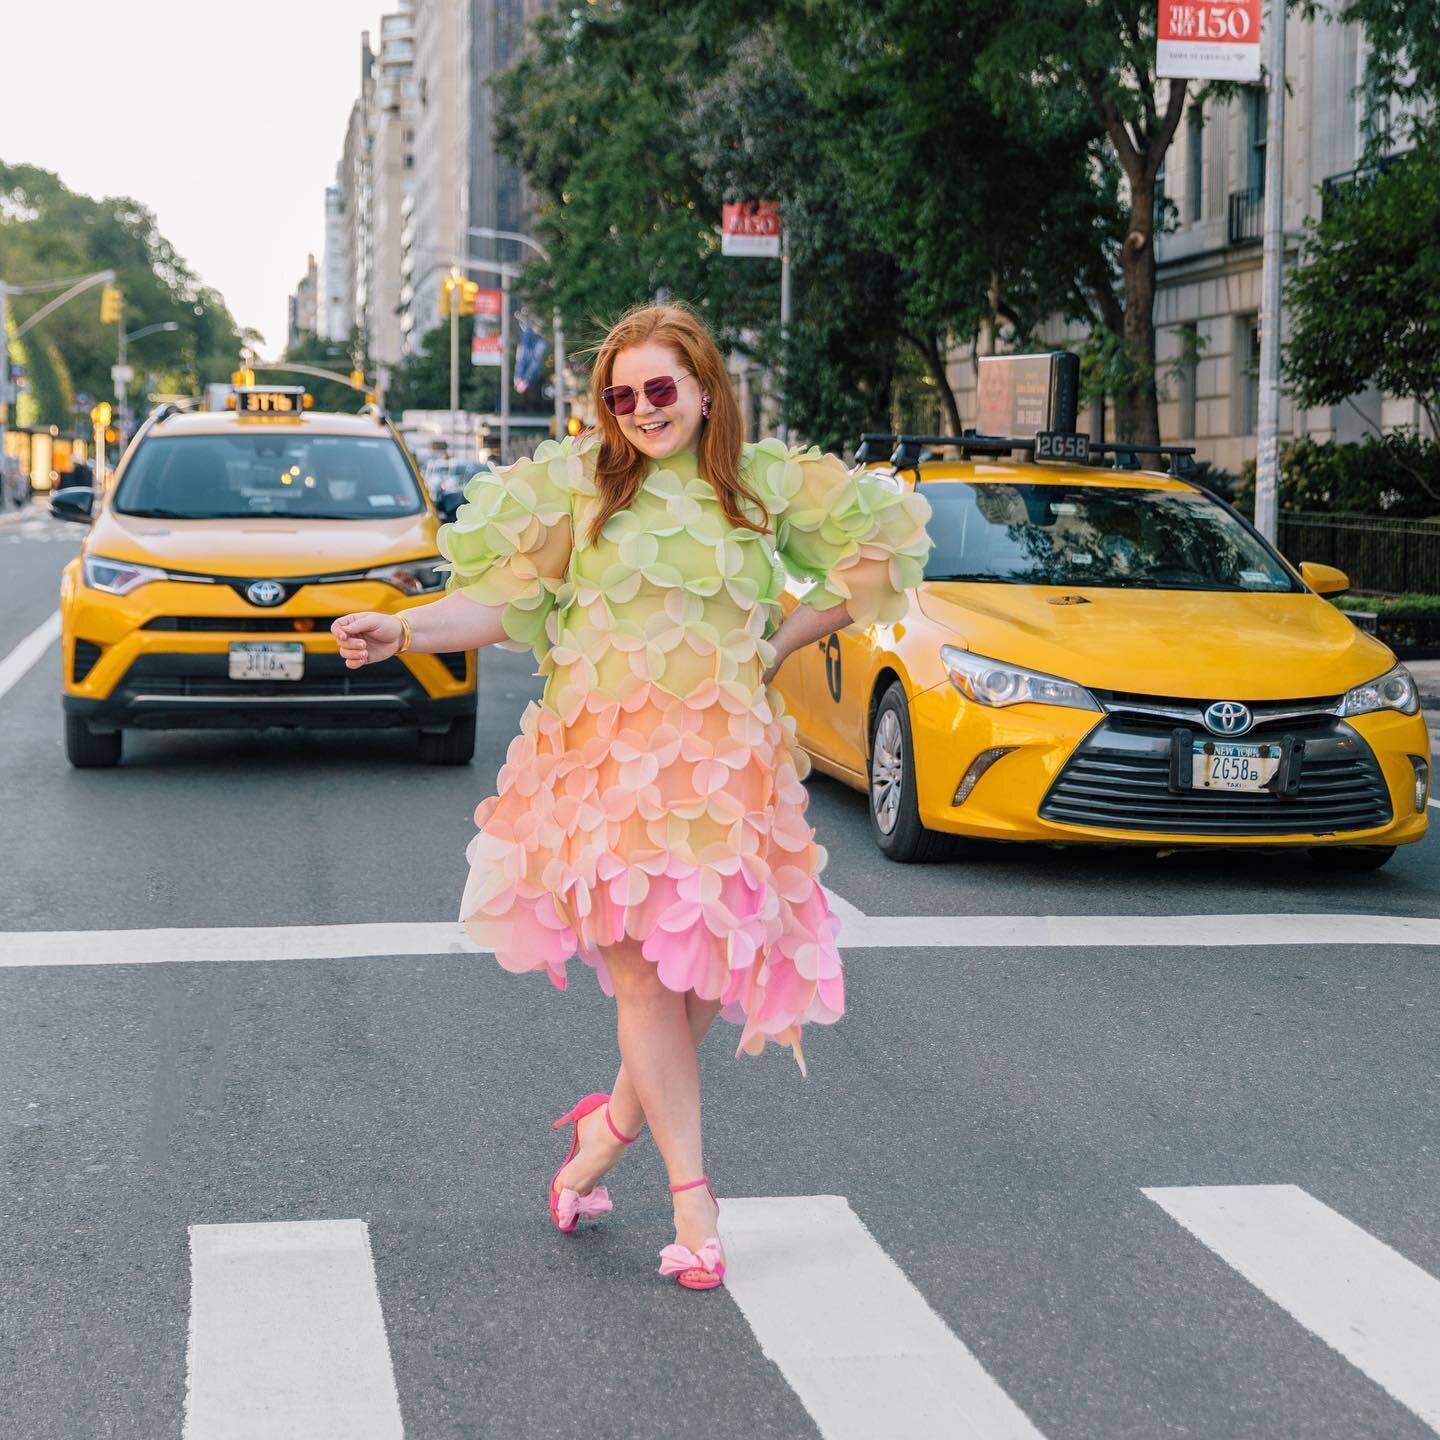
{"x": 854, "y": 1339}
{"x": 287, "y": 1338}
{"x": 26, "y": 948}
{"x": 1378, "y": 1309}
{"x": 28, "y": 651}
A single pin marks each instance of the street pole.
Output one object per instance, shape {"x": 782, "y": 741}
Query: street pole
{"x": 1267, "y": 458}
{"x": 782, "y": 430}
{"x": 454, "y": 345}
{"x": 4, "y": 378}
{"x": 122, "y": 388}
{"x": 505, "y": 368}
{"x": 560, "y": 416}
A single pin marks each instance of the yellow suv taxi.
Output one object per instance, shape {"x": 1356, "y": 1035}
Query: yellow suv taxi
{"x": 216, "y": 561}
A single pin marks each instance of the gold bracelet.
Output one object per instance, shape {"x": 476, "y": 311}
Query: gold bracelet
{"x": 406, "y": 635}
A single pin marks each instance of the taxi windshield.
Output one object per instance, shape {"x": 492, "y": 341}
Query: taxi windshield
{"x": 1122, "y": 537}
{"x": 270, "y": 472}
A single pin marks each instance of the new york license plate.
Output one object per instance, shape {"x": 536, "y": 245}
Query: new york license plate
{"x": 1220, "y": 765}
{"x": 267, "y": 661}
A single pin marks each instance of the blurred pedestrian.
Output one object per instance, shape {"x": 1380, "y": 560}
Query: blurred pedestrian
{"x": 650, "y": 816}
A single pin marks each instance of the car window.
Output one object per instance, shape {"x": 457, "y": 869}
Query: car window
{"x": 1092, "y": 535}
{"x": 268, "y": 472}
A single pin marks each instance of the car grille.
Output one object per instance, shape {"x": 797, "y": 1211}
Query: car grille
{"x": 1119, "y": 779}
{"x": 206, "y": 676}
{"x": 243, "y": 624}
{"x": 454, "y": 662}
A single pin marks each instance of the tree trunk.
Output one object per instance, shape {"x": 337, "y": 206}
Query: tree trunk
{"x": 1137, "y": 407}
{"x": 929, "y": 346}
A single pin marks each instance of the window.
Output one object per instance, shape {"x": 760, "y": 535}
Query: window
{"x": 1185, "y": 375}
{"x": 1257, "y": 120}
{"x": 1246, "y": 362}
{"x": 1195, "y": 164}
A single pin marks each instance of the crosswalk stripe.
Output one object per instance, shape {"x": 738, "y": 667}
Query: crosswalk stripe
{"x": 287, "y": 1339}
{"x": 854, "y": 1339}
{"x": 28, "y": 651}
{"x": 21, "y": 948}
{"x": 1378, "y": 1309}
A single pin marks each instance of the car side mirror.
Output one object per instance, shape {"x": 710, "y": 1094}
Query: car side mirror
{"x": 1324, "y": 579}
{"x": 450, "y": 503}
{"x": 74, "y": 502}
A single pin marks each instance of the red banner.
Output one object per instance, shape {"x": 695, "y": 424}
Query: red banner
{"x": 1208, "y": 40}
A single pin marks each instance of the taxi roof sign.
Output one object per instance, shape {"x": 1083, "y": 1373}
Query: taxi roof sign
{"x": 271, "y": 399}
{"x": 1023, "y": 395}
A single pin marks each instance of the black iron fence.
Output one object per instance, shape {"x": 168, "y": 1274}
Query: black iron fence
{"x": 1247, "y": 217}
{"x": 1377, "y": 553}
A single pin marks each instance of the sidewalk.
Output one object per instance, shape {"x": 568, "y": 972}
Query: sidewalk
{"x": 25, "y": 512}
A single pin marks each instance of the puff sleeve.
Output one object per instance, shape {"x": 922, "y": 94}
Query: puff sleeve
{"x": 861, "y": 540}
{"x": 509, "y": 544}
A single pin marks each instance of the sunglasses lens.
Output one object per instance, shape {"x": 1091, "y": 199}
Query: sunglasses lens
{"x": 662, "y": 390}
{"x": 619, "y": 399}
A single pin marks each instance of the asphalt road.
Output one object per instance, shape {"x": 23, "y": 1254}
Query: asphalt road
{"x": 993, "y": 1116}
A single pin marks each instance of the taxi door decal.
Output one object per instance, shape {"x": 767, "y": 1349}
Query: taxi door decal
{"x": 831, "y": 646}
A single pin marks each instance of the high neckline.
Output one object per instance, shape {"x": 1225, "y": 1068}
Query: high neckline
{"x": 684, "y": 463}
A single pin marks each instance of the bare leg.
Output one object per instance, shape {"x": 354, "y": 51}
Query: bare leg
{"x": 599, "y": 1149}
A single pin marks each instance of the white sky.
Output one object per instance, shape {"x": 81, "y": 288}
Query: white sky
{"x": 226, "y": 119}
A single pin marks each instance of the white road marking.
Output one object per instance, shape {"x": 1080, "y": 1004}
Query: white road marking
{"x": 854, "y": 1339}
{"x": 287, "y": 1339}
{"x": 28, "y": 651}
{"x": 20, "y": 948}
{"x": 1380, "y": 1311}
{"x": 846, "y": 913}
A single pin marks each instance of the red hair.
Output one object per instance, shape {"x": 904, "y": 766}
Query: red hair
{"x": 620, "y": 467}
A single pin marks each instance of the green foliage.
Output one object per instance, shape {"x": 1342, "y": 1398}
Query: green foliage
{"x": 1391, "y": 604}
{"x": 47, "y": 230}
{"x": 422, "y": 381}
{"x": 1397, "y": 474}
{"x": 340, "y": 356}
{"x": 1365, "y": 298}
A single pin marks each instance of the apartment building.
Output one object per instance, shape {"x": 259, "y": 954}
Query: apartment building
{"x": 304, "y": 305}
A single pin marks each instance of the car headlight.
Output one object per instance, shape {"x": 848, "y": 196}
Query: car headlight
{"x": 412, "y": 577}
{"x": 1394, "y": 690}
{"x": 993, "y": 682}
{"x": 118, "y": 577}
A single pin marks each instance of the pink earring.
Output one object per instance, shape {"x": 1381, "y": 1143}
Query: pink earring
{"x": 704, "y": 407}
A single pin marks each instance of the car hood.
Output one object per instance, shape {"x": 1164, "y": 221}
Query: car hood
{"x": 1200, "y": 645}
{"x": 272, "y": 546}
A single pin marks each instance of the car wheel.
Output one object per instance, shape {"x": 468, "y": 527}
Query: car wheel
{"x": 894, "y": 812}
{"x": 455, "y": 746}
{"x": 1353, "y": 858}
{"x": 87, "y": 749}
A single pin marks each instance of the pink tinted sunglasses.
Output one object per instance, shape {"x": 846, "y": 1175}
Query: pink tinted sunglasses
{"x": 660, "y": 391}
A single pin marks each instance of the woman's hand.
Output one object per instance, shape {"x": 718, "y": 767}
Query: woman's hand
{"x": 367, "y": 637}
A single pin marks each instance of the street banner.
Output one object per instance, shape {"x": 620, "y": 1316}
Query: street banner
{"x": 485, "y": 335}
{"x": 1208, "y": 40}
{"x": 488, "y": 302}
{"x": 485, "y": 349}
{"x": 530, "y": 351}
{"x": 751, "y": 227}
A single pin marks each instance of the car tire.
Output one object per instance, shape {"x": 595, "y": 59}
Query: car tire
{"x": 894, "y": 810}
{"x": 454, "y": 746}
{"x": 1354, "y": 859}
{"x": 87, "y": 749}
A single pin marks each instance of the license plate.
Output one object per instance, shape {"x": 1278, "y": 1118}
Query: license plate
{"x": 1219, "y": 766}
{"x": 267, "y": 661}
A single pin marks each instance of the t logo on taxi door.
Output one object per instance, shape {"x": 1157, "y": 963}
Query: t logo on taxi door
{"x": 831, "y": 646}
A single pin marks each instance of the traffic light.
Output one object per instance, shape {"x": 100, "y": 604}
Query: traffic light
{"x": 446, "y": 286}
{"x": 468, "y": 289}
{"x": 100, "y": 415}
{"x": 357, "y": 379}
{"x": 110, "y": 303}
{"x": 242, "y": 376}
{"x": 574, "y": 425}
{"x": 112, "y": 435}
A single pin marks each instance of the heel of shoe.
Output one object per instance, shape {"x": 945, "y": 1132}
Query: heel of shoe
{"x": 581, "y": 1109}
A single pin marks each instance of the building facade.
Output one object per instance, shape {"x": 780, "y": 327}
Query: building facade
{"x": 304, "y": 305}
{"x": 335, "y": 312}
{"x": 392, "y": 175}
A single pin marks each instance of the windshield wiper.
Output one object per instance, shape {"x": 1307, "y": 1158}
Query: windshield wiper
{"x": 978, "y": 578}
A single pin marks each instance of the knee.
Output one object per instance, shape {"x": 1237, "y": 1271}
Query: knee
{"x": 632, "y": 975}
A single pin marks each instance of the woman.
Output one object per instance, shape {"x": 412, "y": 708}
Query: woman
{"x": 650, "y": 815}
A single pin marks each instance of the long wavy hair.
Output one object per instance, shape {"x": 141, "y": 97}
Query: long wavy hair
{"x": 620, "y": 467}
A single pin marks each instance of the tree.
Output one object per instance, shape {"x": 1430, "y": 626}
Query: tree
{"x": 421, "y": 381}
{"x": 1365, "y": 298}
{"x": 48, "y": 230}
{"x": 340, "y": 356}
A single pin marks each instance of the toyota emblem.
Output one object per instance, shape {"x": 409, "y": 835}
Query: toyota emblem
{"x": 1228, "y": 717}
{"x": 265, "y": 592}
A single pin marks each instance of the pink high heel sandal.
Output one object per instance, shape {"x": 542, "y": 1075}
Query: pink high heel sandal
{"x": 695, "y": 1270}
{"x": 568, "y": 1207}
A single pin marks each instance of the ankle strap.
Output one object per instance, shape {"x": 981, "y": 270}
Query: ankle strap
{"x": 623, "y": 1139}
{"x": 690, "y": 1185}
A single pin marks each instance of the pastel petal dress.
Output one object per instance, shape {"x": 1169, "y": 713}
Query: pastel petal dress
{"x": 654, "y": 791}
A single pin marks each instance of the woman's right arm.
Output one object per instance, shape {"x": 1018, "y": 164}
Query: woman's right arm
{"x": 455, "y": 623}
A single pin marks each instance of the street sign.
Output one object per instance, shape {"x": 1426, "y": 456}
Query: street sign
{"x": 1208, "y": 40}
{"x": 751, "y": 227}
{"x": 488, "y": 302}
{"x": 122, "y": 374}
{"x": 485, "y": 349}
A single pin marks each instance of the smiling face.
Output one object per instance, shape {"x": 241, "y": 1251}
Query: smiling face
{"x": 655, "y": 431}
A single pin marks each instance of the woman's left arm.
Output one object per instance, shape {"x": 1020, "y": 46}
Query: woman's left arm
{"x": 803, "y": 626}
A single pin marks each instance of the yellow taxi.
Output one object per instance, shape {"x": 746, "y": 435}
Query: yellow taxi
{"x": 1104, "y": 654}
{"x": 215, "y": 563}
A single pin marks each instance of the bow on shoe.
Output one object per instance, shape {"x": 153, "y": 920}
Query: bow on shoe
{"x": 570, "y": 1205}
{"x": 675, "y": 1259}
